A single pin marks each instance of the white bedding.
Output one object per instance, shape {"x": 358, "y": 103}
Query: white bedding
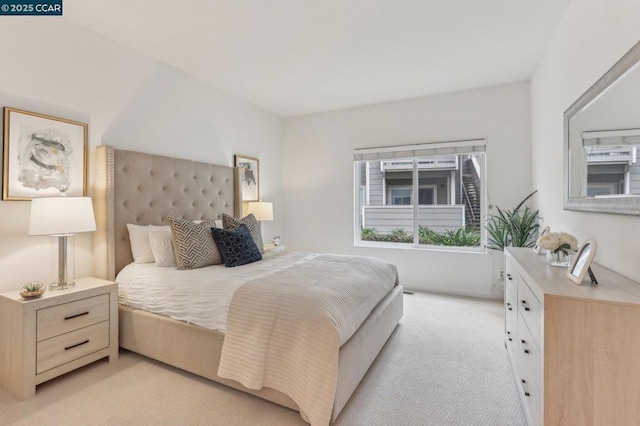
{"x": 285, "y": 330}
{"x": 198, "y": 296}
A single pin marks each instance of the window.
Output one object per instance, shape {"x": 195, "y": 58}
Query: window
{"x": 403, "y": 195}
{"x": 427, "y": 195}
{"x": 400, "y": 196}
{"x": 446, "y": 179}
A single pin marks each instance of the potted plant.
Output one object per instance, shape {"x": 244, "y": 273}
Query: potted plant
{"x": 516, "y": 227}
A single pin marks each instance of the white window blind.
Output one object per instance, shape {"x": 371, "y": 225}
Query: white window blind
{"x": 611, "y": 137}
{"x": 420, "y": 150}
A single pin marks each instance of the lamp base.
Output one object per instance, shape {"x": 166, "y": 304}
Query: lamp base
{"x": 62, "y": 286}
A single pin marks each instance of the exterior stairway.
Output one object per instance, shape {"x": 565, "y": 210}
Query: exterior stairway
{"x": 471, "y": 195}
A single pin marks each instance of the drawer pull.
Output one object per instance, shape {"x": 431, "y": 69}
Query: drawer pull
{"x": 509, "y": 277}
{"x": 509, "y": 306}
{"x": 76, "y": 345}
{"x": 510, "y": 338}
{"x": 76, "y": 316}
{"x": 524, "y": 387}
{"x": 526, "y": 351}
{"x": 524, "y": 304}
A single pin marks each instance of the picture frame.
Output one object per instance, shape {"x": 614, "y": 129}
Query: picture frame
{"x": 43, "y": 156}
{"x": 249, "y": 177}
{"x": 536, "y": 247}
{"x": 582, "y": 262}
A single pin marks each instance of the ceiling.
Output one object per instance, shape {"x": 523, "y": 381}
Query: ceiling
{"x": 294, "y": 57}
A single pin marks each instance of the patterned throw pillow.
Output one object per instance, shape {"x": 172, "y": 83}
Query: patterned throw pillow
{"x": 230, "y": 222}
{"x": 194, "y": 243}
{"x": 237, "y": 246}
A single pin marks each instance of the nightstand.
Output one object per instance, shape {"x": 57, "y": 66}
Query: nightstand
{"x": 56, "y": 333}
{"x": 270, "y": 248}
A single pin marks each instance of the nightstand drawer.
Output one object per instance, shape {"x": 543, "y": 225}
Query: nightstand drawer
{"x": 70, "y": 346}
{"x": 71, "y": 316}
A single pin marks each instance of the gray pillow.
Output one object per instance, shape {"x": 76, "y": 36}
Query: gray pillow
{"x": 194, "y": 243}
{"x": 233, "y": 223}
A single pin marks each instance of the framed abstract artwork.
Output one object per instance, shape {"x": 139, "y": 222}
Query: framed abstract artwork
{"x": 44, "y": 156}
{"x": 249, "y": 177}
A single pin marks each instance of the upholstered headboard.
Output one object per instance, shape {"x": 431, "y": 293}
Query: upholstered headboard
{"x": 144, "y": 189}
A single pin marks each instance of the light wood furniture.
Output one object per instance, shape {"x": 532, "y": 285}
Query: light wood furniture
{"x": 58, "y": 332}
{"x": 575, "y": 349}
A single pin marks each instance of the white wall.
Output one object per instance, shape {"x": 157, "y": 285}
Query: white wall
{"x": 55, "y": 67}
{"x": 592, "y": 36}
{"x": 318, "y": 175}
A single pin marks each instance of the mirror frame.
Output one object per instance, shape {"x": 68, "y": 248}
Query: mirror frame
{"x": 622, "y": 205}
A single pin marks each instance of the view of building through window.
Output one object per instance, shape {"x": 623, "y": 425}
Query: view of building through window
{"x": 612, "y": 170}
{"x": 448, "y": 190}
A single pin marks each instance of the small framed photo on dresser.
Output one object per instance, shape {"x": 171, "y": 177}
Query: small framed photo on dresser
{"x": 582, "y": 263}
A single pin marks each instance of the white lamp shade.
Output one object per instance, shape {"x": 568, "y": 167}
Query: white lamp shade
{"x": 262, "y": 210}
{"x": 61, "y": 215}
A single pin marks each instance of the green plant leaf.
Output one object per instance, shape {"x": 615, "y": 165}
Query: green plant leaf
{"x": 516, "y": 227}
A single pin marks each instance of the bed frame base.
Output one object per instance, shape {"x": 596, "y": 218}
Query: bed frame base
{"x": 165, "y": 339}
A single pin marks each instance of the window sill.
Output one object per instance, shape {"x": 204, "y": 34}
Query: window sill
{"x": 422, "y": 247}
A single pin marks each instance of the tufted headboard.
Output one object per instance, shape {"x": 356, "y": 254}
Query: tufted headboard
{"x": 144, "y": 189}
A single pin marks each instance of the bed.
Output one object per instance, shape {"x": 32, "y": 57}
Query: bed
{"x": 145, "y": 189}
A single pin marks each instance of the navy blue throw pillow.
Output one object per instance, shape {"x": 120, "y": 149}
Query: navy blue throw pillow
{"x": 237, "y": 247}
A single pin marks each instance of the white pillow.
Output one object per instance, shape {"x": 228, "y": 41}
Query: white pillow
{"x": 161, "y": 243}
{"x": 140, "y": 247}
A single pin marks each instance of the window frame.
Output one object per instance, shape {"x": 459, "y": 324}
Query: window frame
{"x": 466, "y": 147}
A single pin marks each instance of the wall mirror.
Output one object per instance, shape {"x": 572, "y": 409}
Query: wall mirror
{"x": 602, "y": 142}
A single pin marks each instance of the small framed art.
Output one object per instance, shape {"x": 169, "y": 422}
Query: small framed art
{"x": 249, "y": 177}
{"x": 582, "y": 262}
{"x": 44, "y": 156}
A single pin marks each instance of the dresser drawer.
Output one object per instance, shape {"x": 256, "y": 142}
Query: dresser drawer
{"x": 67, "y": 317}
{"x": 532, "y": 399}
{"x": 70, "y": 346}
{"x": 510, "y": 313}
{"x": 531, "y": 310}
{"x": 529, "y": 369}
{"x": 511, "y": 278}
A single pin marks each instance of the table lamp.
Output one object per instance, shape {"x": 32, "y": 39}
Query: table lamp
{"x": 262, "y": 210}
{"x": 62, "y": 217}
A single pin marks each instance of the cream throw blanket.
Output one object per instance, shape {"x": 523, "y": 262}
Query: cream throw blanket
{"x": 284, "y": 331}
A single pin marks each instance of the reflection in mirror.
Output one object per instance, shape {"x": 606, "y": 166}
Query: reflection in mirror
{"x": 611, "y": 163}
{"x": 602, "y": 137}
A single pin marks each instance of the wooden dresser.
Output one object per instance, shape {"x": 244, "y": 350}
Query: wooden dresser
{"x": 64, "y": 329}
{"x": 575, "y": 349}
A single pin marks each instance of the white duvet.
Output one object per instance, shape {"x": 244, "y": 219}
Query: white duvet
{"x": 199, "y": 296}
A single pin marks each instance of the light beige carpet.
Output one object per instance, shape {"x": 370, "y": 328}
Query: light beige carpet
{"x": 444, "y": 365}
